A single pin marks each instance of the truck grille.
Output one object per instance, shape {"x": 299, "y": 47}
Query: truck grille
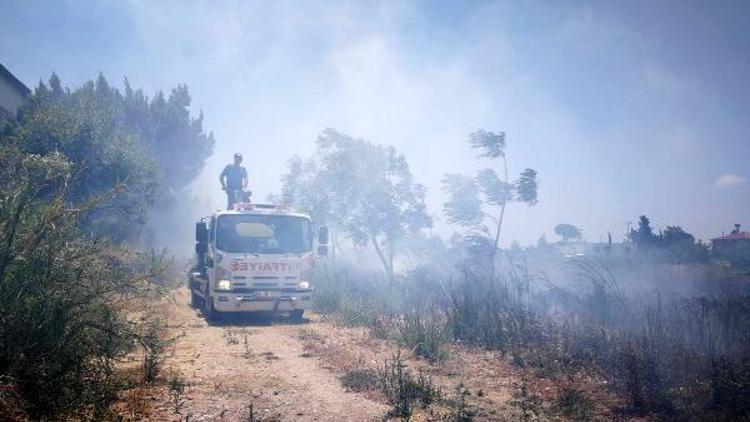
{"x": 265, "y": 284}
{"x": 255, "y": 289}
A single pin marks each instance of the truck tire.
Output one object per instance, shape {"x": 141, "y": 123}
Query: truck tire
{"x": 209, "y": 311}
{"x": 195, "y": 300}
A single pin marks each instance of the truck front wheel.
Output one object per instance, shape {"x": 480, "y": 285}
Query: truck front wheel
{"x": 209, "y": 311}
{"x": 195, "y": 300}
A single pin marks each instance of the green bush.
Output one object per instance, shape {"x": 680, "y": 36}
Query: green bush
{"x": 405, "y": 390}
{"x": 425, "y": 334}
{"x": 62, "y": 328}
{"x": 360, "y": 379}
{"x": 573, "y": 404}
{"x": 80, "y": 171}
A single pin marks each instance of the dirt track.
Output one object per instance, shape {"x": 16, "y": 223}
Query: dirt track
{"x": 262, "y": 364}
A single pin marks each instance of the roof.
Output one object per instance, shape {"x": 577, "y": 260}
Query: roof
{"x": 18, "y": 85}
{"x": 735, "y": 236}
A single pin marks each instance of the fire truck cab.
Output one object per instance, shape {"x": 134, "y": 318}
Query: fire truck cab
{"x": 255, "y": 258}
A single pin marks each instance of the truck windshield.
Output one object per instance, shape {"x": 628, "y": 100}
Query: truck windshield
{"x": 263, "y": 234}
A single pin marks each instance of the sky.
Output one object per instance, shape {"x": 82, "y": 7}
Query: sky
{"x": 623, "y": 108}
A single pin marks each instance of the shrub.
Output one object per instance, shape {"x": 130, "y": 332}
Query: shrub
{"x": 62, "y": 325}
{"x": 403, "y": 389}
{"x": 423, "y": 334}
{"x": 573, "y": 404}
{"x": 360, "y": 379}
{"x": 152, "y": 338}
{"x": 177, "y": 386}
{"x": 460, "y": 409}
{"x": 527, "y": 402}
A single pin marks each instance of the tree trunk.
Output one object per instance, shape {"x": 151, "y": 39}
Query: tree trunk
{"x": 383, "y": 260}
{"x": 500, "y": 219}
{"x": 391, "y": 252}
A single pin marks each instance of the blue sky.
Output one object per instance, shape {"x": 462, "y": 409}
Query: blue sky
{"x": 624, "y": 108}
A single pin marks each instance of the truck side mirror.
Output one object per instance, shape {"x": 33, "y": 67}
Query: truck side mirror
{"x": 201, "y": 232}
{"x": 322, "y": 250}
{"x": 323, "y": 235}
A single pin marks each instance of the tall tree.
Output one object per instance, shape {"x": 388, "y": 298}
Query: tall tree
{"x": 167, "y": 131}
{"x": 483, "y": 216}
{"x": 149, "y": 149}
{"x": 363, "y": 189}
{"x": 682, "y": 247}
{"x": 643, "y": 237}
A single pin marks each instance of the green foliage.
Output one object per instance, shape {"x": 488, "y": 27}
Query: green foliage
{"x": 147, "y": 149}
{"x": 568, "y": 232}
{"x": 151, "y": 337}
{"x": 464, "y": 206}
{"x": 177, "y": 386}
{"x": 528, "y": 403}
{"x": 526, "y": 186}
{"x": 492, "y": 144}
{"x": 487, "y": 310}
{"x": 673, "y": 244}
{"x": 461, "y": 410}
{"x": 573, "y": 404}
{"x": 61, "y": 293}
{"x": 643, "y": 237}
{"x": 358, "y": 297}
{"x": 168, "y": 133}
{"x": 424, "y": 334}
{"x": 361, "y": 379}
{"x": 301, "y": 187}
{"x": 405, "y": 390}
{"x": 496, "y": 191}
{"x": 365, "y": 190}
{"x": 79, "y": 166}
{"x": 681, "y": 246}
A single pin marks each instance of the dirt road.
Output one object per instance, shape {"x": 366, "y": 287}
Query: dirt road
{"x": 252, "y": 367}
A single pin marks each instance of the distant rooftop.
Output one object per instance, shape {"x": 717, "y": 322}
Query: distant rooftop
{"x": 734, "y": 236}
{"x": 18, "y": 85}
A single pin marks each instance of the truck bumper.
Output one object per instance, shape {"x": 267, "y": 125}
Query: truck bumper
{"x": 249, "y": 302}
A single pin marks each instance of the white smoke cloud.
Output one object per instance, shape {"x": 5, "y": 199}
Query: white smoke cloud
{"x": 587, "y": 95}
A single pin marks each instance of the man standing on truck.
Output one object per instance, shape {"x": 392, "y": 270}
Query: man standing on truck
{"x": 234, "y": 181}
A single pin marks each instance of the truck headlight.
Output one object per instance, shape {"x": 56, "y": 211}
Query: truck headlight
{"x": 304, "y": 285}
{"x": 224, "y": 285}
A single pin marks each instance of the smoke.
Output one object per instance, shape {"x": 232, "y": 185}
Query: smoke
{"x": 608, "y": 103}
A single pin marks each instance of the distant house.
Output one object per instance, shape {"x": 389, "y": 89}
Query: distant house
{"x": 13, "y": 94}
{"x": 733, "y": 247}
